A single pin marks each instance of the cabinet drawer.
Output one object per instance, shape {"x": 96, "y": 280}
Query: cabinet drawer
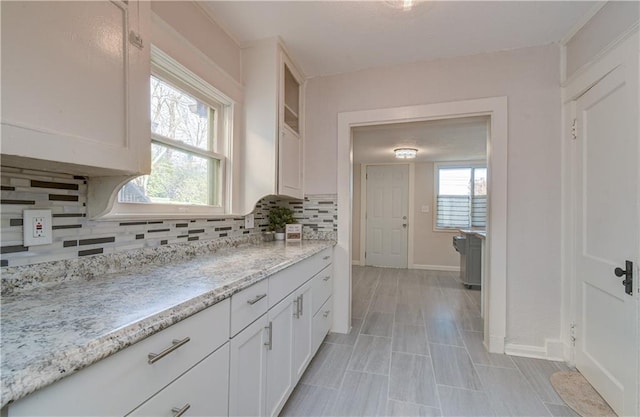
{"x": 321, "y": 288}
{"x": 204, "y": 390}
{"x": 321, "y": 324}
{"x": 286, "y": 281}
{"x": 248, "y": 305}
{"x": 121, "y": 382}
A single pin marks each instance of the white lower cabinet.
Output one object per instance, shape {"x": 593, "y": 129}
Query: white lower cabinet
{"x": 202, "y": 391}
{"x": 280, "y": 344}
{"x": 195, "y": 368}
{"x": 248, "y": 370}
{"x": 302, "y": 331}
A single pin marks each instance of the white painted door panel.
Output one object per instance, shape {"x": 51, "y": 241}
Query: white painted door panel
{"x": 607, "y": 234}
{"x": 387, "y": 200}
{"x": 248, "y": 370}
{"x": 279, "y": 354}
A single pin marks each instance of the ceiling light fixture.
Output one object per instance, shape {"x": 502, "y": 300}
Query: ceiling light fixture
{"x": 404, "y": 5}
{"x": 405, "y": 153}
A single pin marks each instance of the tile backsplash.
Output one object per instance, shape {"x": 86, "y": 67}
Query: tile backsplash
{"x": 75, "y": 236}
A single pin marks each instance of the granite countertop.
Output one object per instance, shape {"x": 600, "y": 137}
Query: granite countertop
{"x": 53, "y": 331}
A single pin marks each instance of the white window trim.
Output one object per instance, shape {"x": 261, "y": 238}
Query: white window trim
{"x": 168, "y": 69}
{"x": 436, "y": 185}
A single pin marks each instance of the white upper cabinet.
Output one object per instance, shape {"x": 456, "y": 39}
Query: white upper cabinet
{"x": 274, "y": 123}
{"x": 75, "y": 86}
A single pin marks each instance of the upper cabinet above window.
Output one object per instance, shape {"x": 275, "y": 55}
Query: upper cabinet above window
{"x": 75, "y": 86}
{"x": 274, "y": 117}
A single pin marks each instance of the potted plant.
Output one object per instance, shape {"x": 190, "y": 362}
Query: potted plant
{"x": 279, "y": 217}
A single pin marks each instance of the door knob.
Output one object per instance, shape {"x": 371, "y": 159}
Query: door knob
{"x": 628, "y": 273}
{"x": 404, "y": 225}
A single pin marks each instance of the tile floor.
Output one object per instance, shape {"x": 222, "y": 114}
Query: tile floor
{"x": 415, "y": 349}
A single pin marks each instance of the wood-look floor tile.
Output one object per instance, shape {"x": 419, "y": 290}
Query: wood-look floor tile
{"x": 378, "y": 324}
{"x": 362, "y": 394}
{"x": 309, "y": 400}
{"x": 382, "y": 303}
{"x": 444, "y": 332}
{"x": 359, "y": 307}
{"x": 537, "y": 372}
{"x": 453, "y": 367}
{"x": 410, "y": 339}
{"x": 464, "y": 403}
{"x": 346, "y": 339}
{"x": 409, "y": 314}
{"x": 412, "y": 380}
{"x": 509, "y": 393}
{"x": 479, "y": 354}
{"x": 371, "y": 354}
{"x": 328, "y": 366}
{"x": 402, "y": 409}
{"x": 557, "y": 410}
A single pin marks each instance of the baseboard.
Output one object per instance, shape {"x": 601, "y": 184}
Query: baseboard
{"x": 355, "y": 262}
{"x": 553, "y": 350}
{"x": 436, "y": 267}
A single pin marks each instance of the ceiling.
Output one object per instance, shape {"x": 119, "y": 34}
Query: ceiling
{"x": 330, "y": 37}
{"x": 463, "y": 139}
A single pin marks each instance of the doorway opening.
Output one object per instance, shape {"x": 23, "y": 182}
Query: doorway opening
{"x": 495, "y": 110}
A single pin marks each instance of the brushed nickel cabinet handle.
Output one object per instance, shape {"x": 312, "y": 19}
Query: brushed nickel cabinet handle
{"x": 296, "y": 312}
{"x": 326, "y": 313}
{"x": 155, "y": 357}
{"x": 256, "y": 299}
{"x": 180, "y": 411}
{"x": 326, "y": 257}
{"x": 301, "y": 305}
{"x": 327, "y": 278}
{"x": 269, "y": 343}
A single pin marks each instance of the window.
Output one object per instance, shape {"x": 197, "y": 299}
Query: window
{"x": 461, "y": 196}
{"x": 189, "y": 142}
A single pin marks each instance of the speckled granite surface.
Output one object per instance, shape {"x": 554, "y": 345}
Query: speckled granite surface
{"x": 53, "y": 330}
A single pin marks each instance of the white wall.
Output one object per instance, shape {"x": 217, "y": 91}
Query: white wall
{"x": 355, "y": 207}
{"x": 201, "y": 31}
{"x": 615, "y": 18}
{"x": 530, "y": 78}
{"x": 429, "y": 248}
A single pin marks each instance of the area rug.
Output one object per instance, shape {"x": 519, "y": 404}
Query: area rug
{"x": 576, "y": 391}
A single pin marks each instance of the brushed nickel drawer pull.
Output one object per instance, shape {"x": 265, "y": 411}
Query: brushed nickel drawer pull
{"x": 326, "y": 313}
{"x": 256, "y": 299}
{"x": 301, "y": 304}
{"x": 327, "y": 278}
{"x": 180, "y": 411}
{"x": 326, "y": 257}
{"x": 155, "y": 357}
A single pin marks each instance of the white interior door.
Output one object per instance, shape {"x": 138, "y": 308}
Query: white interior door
{"x": 607, "y": 235}
{"x": 386, "y": 215}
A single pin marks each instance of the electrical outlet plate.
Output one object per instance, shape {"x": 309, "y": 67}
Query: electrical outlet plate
{"x": 248, "y": 221}
{"x": 36, "y": 225}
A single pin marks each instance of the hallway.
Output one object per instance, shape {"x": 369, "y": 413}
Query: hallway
{"x": 415, "y": 349}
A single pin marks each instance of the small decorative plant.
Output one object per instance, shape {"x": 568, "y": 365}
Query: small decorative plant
{"x": 279, "y": 217}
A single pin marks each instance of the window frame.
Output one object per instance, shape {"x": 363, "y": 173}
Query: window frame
{"x": 170, "y": 71}
{"x": 436, "y": 185}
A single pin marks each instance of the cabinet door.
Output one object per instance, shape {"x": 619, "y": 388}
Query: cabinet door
{"x": 247, "y": 380}
{"x": 279, "y": 371}
{"x": 75, "y": 90}
{"x": 302, "y": 331}
{"x": 290, "y": 164}
{"x": 203, "y": 391}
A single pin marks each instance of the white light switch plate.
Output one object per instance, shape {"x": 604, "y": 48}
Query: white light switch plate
{"x": 248, "y": 221}
{"x": 36, "y": 225}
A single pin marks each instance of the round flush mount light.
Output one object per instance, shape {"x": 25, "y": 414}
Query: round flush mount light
{"x": 405, "y": 153}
